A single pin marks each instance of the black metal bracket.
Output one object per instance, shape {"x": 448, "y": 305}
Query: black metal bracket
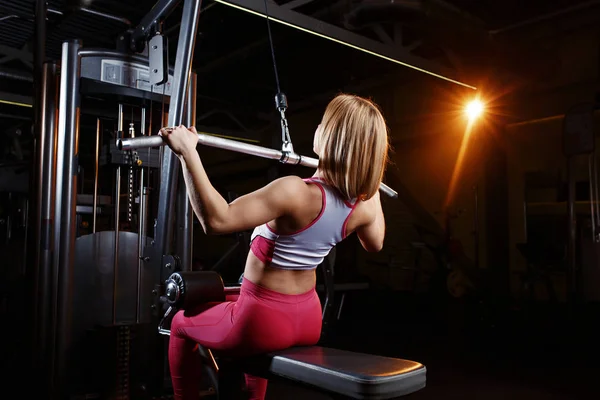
{"x": 148, "y": 24}
{"x": 157, "y": 303}
{"x": 158, "y": 58}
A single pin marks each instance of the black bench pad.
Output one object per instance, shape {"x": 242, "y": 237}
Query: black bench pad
{"x": 356, "y": 375}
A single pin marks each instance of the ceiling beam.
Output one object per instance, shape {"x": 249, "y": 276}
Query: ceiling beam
{"x": 15, "y": 75}
{"x": 382, "y": 34}
{"x": 10, "y": 53}
{"x": 296, "y": 3}
{"x": 16, "y": 100}
{"x": 344, "y": 37}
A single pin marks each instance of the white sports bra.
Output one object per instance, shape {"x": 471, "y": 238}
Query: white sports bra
{"x": 306, "y": 248}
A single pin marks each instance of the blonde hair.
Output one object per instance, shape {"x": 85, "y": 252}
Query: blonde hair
{"x": 353, "y": 146}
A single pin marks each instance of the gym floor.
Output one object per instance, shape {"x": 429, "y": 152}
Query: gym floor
{"x": 470, "y": 351}
{"x": 542, "y": 353}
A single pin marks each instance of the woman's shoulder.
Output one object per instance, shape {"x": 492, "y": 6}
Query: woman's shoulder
{"x": 290, "y": 194}
{"x": 290, "y": 186}
{"x": 290, "y": 181}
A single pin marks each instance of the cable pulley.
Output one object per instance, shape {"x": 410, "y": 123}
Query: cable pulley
{"x": 281, "y": 103}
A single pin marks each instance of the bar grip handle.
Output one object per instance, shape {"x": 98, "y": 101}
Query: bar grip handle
{"x": 385, "y": 189}
{"x": 142, "y": 142}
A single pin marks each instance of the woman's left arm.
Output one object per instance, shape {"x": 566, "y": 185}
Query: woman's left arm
{"x": 282, "y": 196}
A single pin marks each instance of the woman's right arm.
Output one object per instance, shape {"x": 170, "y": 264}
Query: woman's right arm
{"x": 372, "y": 232}
{"x": 281, "y": 197}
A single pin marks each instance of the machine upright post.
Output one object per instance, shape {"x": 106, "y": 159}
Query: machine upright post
{"x": 185, "y": 215}
{"x": 44, "y": 221}
{"x": 170, "y": 164}
{"x": 65, "y": 214}
{"x": 169, "y": 170}
{"x": 30, "y": 264}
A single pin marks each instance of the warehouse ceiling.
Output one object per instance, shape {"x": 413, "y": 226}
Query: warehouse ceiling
{"x": 232, "y": 56}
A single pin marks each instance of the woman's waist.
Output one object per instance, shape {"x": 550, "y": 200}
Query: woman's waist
{"x": 281, "y": 281}
{"x": 262, "y": 292}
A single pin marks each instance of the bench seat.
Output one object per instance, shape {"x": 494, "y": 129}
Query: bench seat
{"x": 354, "y": 375}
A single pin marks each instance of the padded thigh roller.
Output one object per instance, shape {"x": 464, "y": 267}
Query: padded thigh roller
{"x": 188, "y": 289}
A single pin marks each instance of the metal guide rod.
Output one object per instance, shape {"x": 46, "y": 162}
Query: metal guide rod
{"x": 95, "y": 207}
{"x": 117, "y": 210}
{"x": 44, "y": 224}
{"x": 141, "y": 225}
{"x": 141, "y": 240}
{"x": 65, "y": 213}
{"x": 238, "y": 147}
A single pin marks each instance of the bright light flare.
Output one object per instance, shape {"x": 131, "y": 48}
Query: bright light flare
{"x": 474, "y": 109}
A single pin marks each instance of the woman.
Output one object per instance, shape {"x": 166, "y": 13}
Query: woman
{"x": 296, "y": 222}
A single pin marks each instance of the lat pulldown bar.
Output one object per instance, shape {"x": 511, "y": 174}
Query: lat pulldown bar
{"x": 238, "y": 147}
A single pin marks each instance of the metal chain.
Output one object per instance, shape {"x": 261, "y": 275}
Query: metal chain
{"x": 123, "y": 361}
{"x": 130, "y": 187}
{"x": 130, "y": 195}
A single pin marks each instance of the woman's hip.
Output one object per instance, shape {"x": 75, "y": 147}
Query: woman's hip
{"x": 261, "y": 320}
{"x": 261, "y": 312}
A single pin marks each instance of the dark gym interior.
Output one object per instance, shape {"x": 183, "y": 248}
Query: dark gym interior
{"x": 490, "y": 271}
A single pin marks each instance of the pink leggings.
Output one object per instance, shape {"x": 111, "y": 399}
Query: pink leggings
{"x": 259, "y": 321}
